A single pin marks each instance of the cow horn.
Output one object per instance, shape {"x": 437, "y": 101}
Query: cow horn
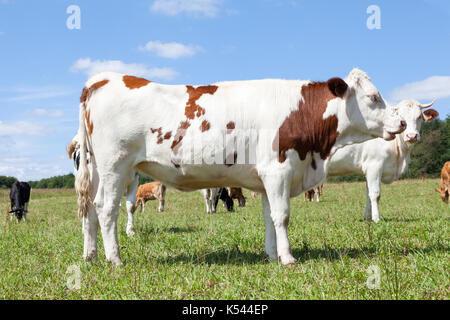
{"x": 424, "y": 106}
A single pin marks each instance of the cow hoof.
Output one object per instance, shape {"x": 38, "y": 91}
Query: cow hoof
{"x": 288, "y": 260}
{"x": 116, "y": 262}
{"x": 130, "y": 233}
{"x": 90, "y": 257}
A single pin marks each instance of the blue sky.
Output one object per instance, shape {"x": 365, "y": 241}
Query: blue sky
{"x": 44, "y": 64}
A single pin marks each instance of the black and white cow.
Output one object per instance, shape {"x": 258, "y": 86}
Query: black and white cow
{"x": 20, "y": 196}
{"x": 226, "y": 199}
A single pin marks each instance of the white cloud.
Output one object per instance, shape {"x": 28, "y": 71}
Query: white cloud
{"x": 207, "y": 8}
{"x": 91, "y": 67}
{"x": 45, "y": 112}
{"x": 35, "y": 93}
{"x": 436, "y": 87}
{"x": 171, "y": 50}
{"x": 32, "y": 170}
{"x": 20, "y": 128}
{"x": 2, "y": 33}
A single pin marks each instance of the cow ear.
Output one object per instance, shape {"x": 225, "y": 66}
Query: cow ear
{"x": 337, "y": 86}
{"x": 430, "y": 115}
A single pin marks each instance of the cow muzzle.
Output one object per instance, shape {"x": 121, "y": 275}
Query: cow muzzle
{"x": 389, "y": 134}
{"x": 412, "y": 137}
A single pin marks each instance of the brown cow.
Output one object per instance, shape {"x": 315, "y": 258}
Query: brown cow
{"x": 310, "y": 193}
{"x": 445, "y": 182}
{"x": 151, "y": 191}
{"x": 236, "y": 193}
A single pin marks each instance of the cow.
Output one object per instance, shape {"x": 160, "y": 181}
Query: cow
{"x": 445, "y": 182}
{"x": 380, "y": 160}
{"x": 151, "y": 191}
{"x": 236, "y": 193}
{"x": 212, "y": 196}
{"x": 309, "y": 195}
{"x": 20, "y": 197}
{"x": 272, "y": 136}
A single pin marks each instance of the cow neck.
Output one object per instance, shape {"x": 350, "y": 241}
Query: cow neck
{"x": 402, "y": 151}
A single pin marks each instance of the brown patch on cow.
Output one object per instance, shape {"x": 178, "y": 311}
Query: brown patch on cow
{"x": 230, "y": 126}
{"x": 87, "y": 92}
{"x": 168, "y": 135}
{"x": 132, "y": 82}
{"x": 84, "y": 95}
{"x": 305, "y": 130}
{"x": 97, "y": 85}
{"x": 90, "y": 125}
{"x": 159, "y": 137}
{"x": 184, "y": 125}
{"x": 205, "y": 126}
{"x": 192, "y": 108}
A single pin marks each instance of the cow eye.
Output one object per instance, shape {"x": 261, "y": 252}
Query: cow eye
{"x": 374, "y": 98}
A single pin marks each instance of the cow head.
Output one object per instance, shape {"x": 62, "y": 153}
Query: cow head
{"x": 414, "y": 114}
{"x": 444, "y": 193}
{"x": 365, "y": 114}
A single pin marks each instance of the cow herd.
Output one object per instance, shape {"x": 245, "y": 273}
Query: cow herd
{"x": 278, "y": 138}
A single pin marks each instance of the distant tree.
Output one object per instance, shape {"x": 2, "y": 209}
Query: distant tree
{"x": 432, "y": 151}
{"x": 6, "y": 182}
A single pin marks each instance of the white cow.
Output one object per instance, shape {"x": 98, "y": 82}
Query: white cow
{"x": 380, "y": 160}
{"x": 270, "y": 136}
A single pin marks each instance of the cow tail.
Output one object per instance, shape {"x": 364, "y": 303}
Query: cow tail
{"x": 83, "y": 182}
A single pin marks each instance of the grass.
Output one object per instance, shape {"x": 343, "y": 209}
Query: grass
{"x": 184, "y": 253}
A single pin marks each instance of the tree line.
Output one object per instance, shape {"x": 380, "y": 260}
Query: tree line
{"x": 427, "y": 159}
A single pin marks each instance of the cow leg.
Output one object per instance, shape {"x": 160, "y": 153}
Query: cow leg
{"x": 90, "y": 231}
{"x": 374, "y": 186}
{"x": 278, "y": 194}
{"x": 131, "y": 205}
{"x": 212, "y": 199}
{"x": 207, "y": 202}
{"x": 241, "y": 201}
{"x": 271, "y": 241}
{"x": 368, "y": 211}
{"x": 161, "y": 205}
{"x": 112, "y": 185}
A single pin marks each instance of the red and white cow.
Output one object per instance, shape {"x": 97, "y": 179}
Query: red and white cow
{"x": 270, "y": 136}
{"x": 380, "y": 160}
{"x": 444, "y": 190}
{"x": 151, "y": 191}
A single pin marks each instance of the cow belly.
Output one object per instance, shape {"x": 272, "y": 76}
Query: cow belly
{"x": 195, "y": 177}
